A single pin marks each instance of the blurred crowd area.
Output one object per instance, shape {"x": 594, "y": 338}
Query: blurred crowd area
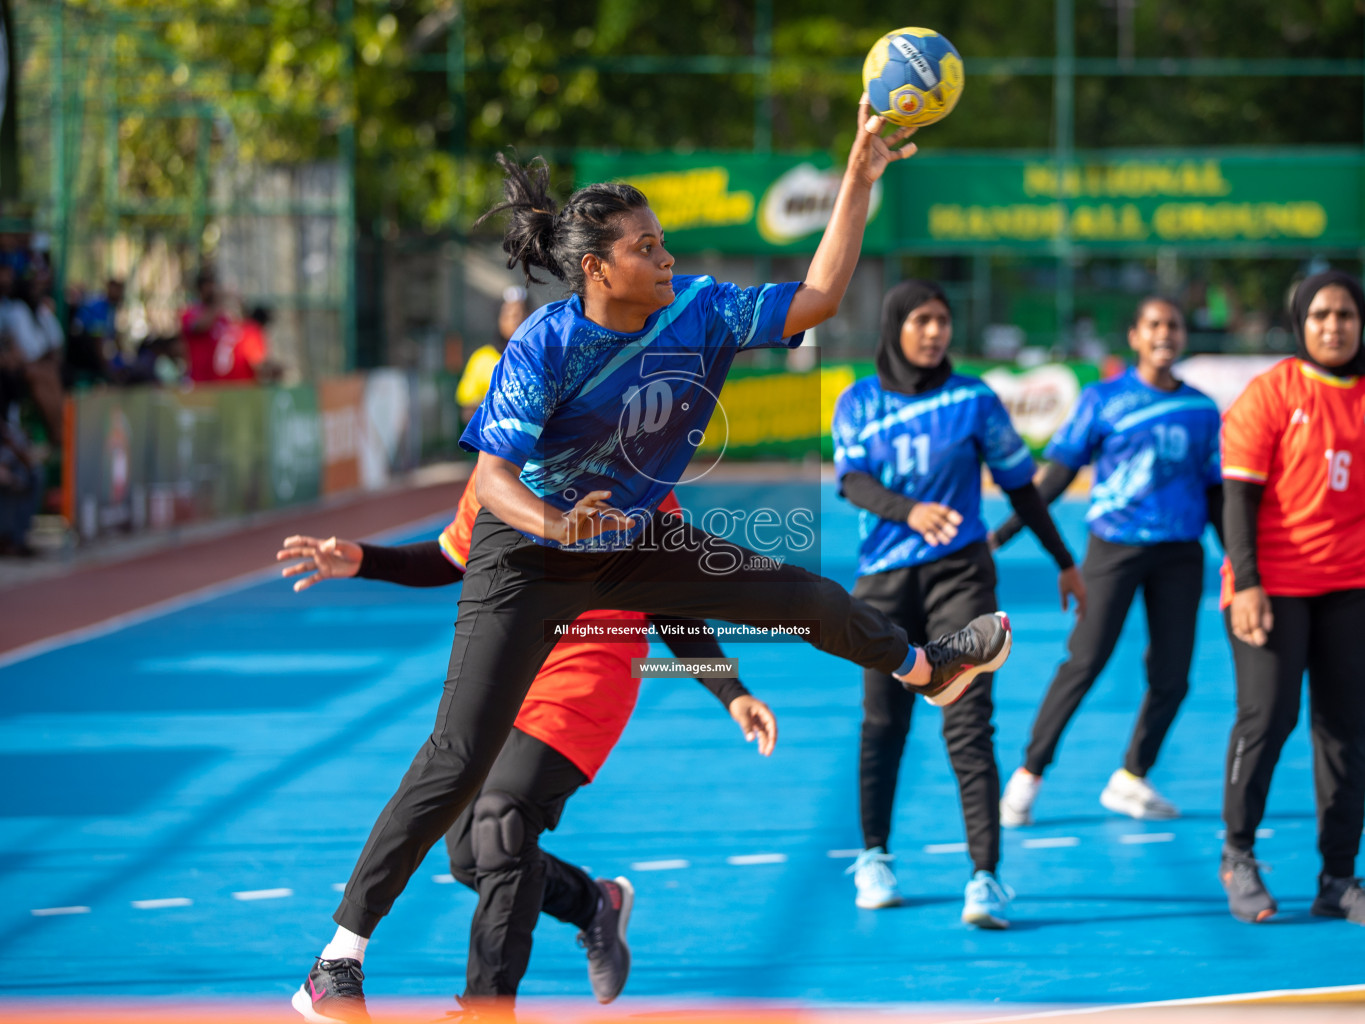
{"x": 50, "y": 349}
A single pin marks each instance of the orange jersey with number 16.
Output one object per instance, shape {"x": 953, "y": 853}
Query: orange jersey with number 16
{"x": 1301, "y": 433}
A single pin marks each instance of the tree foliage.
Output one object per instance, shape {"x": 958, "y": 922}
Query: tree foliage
{"x": 281, "y": 81}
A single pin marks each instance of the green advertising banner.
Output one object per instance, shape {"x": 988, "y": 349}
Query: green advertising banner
{"x": 747, "y": 203}
{"x": 294, "y": 440}
{"x": 740, "y": 203}
{"x": 1186, "y": 200}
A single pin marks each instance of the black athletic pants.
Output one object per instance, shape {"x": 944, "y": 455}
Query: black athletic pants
{"x": 512, "y": 587}
{"x": 494, "y": 849}
{"x": 1322, "y": 635}
{"x": 1171, "y": 576}
{"x": 927, "y": 601}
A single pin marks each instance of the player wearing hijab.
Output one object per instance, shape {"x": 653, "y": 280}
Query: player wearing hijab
{"x": 593, "y": 414}
{"x": 909, "y": 444}
{"x": 1294, "y": 591}
{"x": 572, "y": 717}
{"x": 1154, "y": 444}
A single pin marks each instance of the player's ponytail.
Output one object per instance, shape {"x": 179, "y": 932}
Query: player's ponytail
{"x": 540, "y": 234}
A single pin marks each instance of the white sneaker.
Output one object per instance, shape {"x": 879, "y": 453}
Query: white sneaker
{"x": 1136, "y": 797}
{"x": 986, "y": 903}
{"x": 1016, "y": 803}
{"x": 874, "y": 880}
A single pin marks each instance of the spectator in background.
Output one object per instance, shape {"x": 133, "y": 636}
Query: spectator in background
{"x": 21, "y": 476}
{"x": 251, "y": 353}
{"x": 479, "y": 370}
{"x": 27, "y": 318}
{"x": 93, "y": 352}
{"x": 205, "y": 328}
{"x": 14, "y": 254}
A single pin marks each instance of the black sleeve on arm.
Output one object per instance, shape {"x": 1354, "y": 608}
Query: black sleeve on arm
{"x": 1055, "y": 479}
{"x": 411, "y": 565}
{"x": 694, "y": 639}
{"x": 1214, "y": 496}
{"x": 1241, "y": 503}
{"x": 1030, "y": 509}
{"x": 867, "y": 492}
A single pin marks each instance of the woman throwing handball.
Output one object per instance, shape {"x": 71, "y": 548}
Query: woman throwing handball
{"x": 1294, "y": 591}
{"x": 909, "y": 445}
{"x": 1154, "y": 443}
{"x": 573, "y": 716}
{"x": 592, "y": 416}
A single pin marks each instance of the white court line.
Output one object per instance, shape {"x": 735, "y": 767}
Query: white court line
{"x": 1240, "y": 997}
{"x": 446, "y": 879}
{"x": 934, "y": 848}
{"x": 59, "y": 911}
{"x": 660, "y": 865}
{"x": 745, "y": 859}
{"x": 262, "y": 894}
{"x": 841, "y": 854}
{"x": 170, "y": 901}
{"x": 1261, "y": 833}
{"x": 1137, "y": 838}
{"x": 1051, "y": 842}
{"x": 338, "y": 887}
{"x": 178, "y": 603}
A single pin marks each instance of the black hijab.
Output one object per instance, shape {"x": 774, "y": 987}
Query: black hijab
{"x": 894, "y": 371}
{"x": 1303, "y": 298}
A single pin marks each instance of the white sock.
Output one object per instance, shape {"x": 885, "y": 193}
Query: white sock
{"x": 345, "y": 944}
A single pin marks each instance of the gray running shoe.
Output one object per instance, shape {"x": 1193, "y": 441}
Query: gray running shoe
{"x": 605, "y": 939}
{"x": 1340, "y": 897}
{"x": 980, "y": 646}
{"x": 1248, "y": 898}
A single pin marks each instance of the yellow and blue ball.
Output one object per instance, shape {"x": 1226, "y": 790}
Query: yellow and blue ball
{"x": 913, "y": 76}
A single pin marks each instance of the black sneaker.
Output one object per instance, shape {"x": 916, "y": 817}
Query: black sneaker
{"x": 605, "y": 939}
{"x": 980, "y": 646}
{"x": 332, "y": 992}
{"x": 1340, "y": 897}
{"x": 1248, "y": 898}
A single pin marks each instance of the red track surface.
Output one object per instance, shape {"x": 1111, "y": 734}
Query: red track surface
{"x": 90, "y": 593}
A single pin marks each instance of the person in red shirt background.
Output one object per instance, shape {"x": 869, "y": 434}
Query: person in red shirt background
{"x": 218, "y": 346}
{"x": 205, "y": 326}
{"x": 1294, "y": 591}
{"x": 572, "y": 717}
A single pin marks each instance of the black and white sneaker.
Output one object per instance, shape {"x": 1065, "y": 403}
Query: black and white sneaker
{"x": 980, "y": 646}
{"x": 1340, "y": 897}
{"x": 1248, "y": 898}
{"x": 332, "y": 992}
{"x": 605, "y": 939}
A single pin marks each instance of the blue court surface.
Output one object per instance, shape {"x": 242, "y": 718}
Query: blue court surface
{"x": 184, "y": 796}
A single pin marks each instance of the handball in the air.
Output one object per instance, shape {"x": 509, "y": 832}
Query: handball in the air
{"x": 913, "y": 76}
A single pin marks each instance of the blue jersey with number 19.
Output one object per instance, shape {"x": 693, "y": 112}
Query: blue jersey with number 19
{"x": 1155, "y": 455}
{"x": 929, "y": 447}
{"x": 581, "y": 408}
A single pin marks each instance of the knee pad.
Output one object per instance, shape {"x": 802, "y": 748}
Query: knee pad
{"x": 500, "y": 831}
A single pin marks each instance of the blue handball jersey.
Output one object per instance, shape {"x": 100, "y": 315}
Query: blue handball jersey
{"x": 929, "y": 447}
{"x": 581, "y": 408}
{"x": 1155, "y": 454}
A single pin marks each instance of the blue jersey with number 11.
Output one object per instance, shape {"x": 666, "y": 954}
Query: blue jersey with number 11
{"x": 929, "y": 447}
{"x": 1155, "y": 455}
